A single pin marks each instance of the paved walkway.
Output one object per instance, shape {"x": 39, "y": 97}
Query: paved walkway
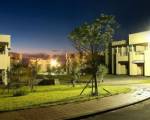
{"x": 73, "y": 110}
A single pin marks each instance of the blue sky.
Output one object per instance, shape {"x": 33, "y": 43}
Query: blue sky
{"x": 43, "y": 25}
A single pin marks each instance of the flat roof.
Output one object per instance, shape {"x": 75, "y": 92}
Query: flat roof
{"x": 139, "y": 38}
{"x": 5, "y": 39}
{"x": 120, "y": 42}
{"x": 140, "y": 32}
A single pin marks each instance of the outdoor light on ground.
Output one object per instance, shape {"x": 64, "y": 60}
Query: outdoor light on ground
{"x": 54, "y": 63}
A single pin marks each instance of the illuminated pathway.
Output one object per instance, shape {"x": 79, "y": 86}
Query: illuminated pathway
{"x": 80, "y": 109}
{"x": 138, "y": 111}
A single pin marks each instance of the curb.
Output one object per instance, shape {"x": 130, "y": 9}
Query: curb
{"x": 86, "y": 115}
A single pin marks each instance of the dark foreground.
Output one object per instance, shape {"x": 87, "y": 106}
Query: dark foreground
{"x": 139, "y": 111}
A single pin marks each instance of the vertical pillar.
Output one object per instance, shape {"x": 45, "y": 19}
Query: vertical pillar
{"x": 106, "y": 57}
{"x": 118, "y": 66}
{"x": 148, "y": 46}
{"x": 112, "y": 61}
{"x": 117, "y": 50}
{"x": 6, "y": 50}
{"x": 117, "y": 63}
{"x": 132, "y": 66}
{"x": 132, "y": 48}
{"x": 127, "y": 50}
{"x": 4, "y": 77}
{"x": 122, "y": 51}
{"x": 146, "y": 61}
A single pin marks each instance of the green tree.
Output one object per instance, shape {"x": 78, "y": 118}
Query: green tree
{"x": 33, "y": 72}
{"x": 102, "y": 71}
{"x": 75, "y": 71}
{"x": 49, "y": 70}
{"x": 16, "y": 72}
{"x": 91, "y": 38}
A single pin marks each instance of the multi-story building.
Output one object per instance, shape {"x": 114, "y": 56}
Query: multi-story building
{"x": 4, "y": 58}
{"x": 130, "y": 57}
{"x": 15, "y": 58}
{"x": 42, "y": 64}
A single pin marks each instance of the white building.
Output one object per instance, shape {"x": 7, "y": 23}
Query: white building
{"x": 130, "y": 56}
{"x": 4, "y": 58}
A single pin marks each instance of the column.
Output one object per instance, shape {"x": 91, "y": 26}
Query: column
{"x": 112, "y": 60}
{"x": 6, "y": 50}
{"x": 132, "y": 48}
{"x": 122, "y": 51}
{"x": 148, "y": 46}
{"x": 106, "y": 57}
{"x": 4, "y": 77}
{"x": 146, "y": 61}
{"x": 132, "y": 66}
{"x": 117, "y": 62}
{"x": 117, "y": 50}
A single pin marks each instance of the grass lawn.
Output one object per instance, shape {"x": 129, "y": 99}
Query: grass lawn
{"x": 120, "y": 79}
{"x": 49, "y": 95}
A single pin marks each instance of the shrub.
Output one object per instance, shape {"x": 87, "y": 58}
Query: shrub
{"x": 19, "y": 92}
{"x": 47, "y": 82}
{"x": 103, "y": 70}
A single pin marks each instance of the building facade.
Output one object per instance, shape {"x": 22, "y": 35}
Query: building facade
{"x": 41, "y": 64}
{"x": 15, "y": 58}
{"x": 4, "y": 58}
{"x": 130, "y": 57}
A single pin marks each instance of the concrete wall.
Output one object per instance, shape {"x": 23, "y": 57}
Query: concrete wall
{"x": 132, "y": 66}
{"x": 4, "y": 57}
{"x": 147, "y": 63}
{"x": 138, "y": 38}
{"x": 5, "y": 39}
{"x": 132, "y": 56}
{"x": 4, "y": 61}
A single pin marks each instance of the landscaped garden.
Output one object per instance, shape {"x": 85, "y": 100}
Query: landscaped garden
{"x": 51, "y": 95}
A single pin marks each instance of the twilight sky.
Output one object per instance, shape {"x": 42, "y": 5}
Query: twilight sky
{"x": 43, "y": 25}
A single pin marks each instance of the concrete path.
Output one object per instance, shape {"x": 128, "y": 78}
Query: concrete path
{"x": 73, "y": 110}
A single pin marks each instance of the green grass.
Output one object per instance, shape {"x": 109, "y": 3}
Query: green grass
{"x": 49, "y": 95}
{"x": 144, "y": 81}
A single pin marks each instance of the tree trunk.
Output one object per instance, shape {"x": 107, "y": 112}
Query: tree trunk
{"x": 92, "y": 87}
{"x": 96, "y": 87}
{"x": 31, "y": 85}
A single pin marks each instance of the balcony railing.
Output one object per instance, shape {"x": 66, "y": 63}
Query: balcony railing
{"x": 139, "y": 56}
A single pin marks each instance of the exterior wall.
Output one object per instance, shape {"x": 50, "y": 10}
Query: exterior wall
{"x": 138, "y": 38}
{"x": 41, "y": 64}
{"x": 4, "y": 57}
{"x": 132, "y": 66}
{"x": 119, "y": 57}
{"x": 5, "y": 39}
{"x": 118, "y": 66}
{"x": 4, "y": 61}
{"x": 106, "y": 57}
{"x": 147, "y": 63}
{"x": 131, "y": 57}
{"x": 113, "y": 61}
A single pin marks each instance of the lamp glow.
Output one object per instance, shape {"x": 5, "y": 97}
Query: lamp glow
{"x": 54, "y": 63}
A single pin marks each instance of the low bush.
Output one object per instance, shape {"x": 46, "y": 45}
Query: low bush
{"x": 46, "y": 82}
{"x": 64, "y": 78}
{"x": 19, "y": 92}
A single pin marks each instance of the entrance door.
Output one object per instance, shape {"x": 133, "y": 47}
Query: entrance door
{"x": 140, "y": 69}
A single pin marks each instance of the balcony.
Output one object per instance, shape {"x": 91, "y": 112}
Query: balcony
{"x": 138, "y": 57}
{"x": 122, "y": 58}
{"x": 4, "y": 61}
